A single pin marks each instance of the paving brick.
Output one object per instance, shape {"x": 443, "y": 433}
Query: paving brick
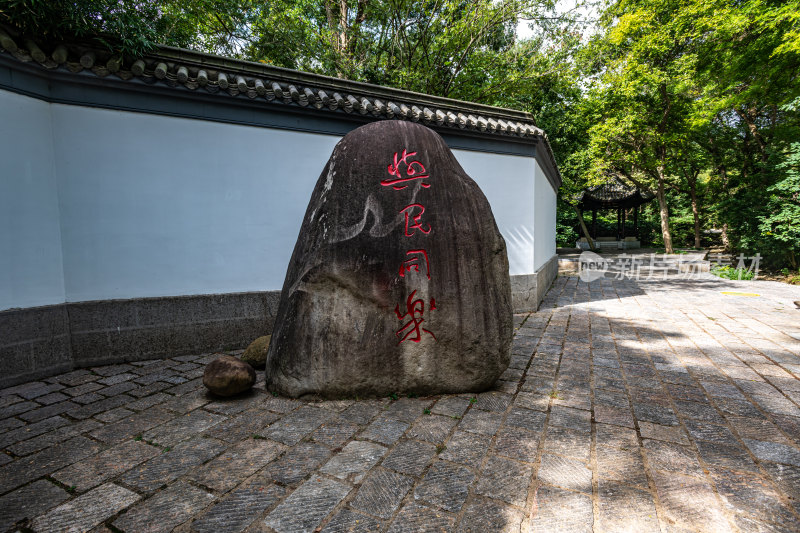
{"x": 445, "y": 485}
{"x": 147, "y": 390}
{"x": 483, "y": 422}
{"x": 451, "y": 406}
{"x": 52, "y": 437}
{"x": 183, "y": 427}
{"x": 626, "y": 509}
{"x": 307, "y": 506}
{"x": 655, "y": 413}
{"x": 113, "y": 415}
{"x": 53, "y": 397}
{"x": 188, "y": 401}
{"x": 108, "y": 464}
{"x": 237, "y": 404}
{"x": 239, "y": 509}
{"x": 166, "y": 510}
{"x": 31, "y": 430}
{"x": 526, "y": 419}
{"x": 237, "y": 463}
{"x": 384, "y": 430}
{"x": 354, "y": 460}
{"x": 148, "y": 401}
{"x": 466, "y": 448}
{"x": 483, "y": 515}
{"x": 623, "y": 465}
{"x": 492, "y": 401}
{"x": 415, "y": 518}
{"x": 431, "y": 428}
{"x": 294, "y": 426}
{"x": 733, "y": 457}
{"x": 758, "y": 429}
{"x": 517, "y": 443}
{"x": 169, "y": 466}
{"x": 381, "y": 492}
{"x": 335, "y": 433}
{"x": 575, "y": 419}
{"x": 297, "y": 463}
{"x": 93, "y": 408}
{"x": 556, "y": 510}
{"x": 612, "y": 415}
{"x": 132, "y": 426}
{"x": 532, "y": 400}
{"x": 787, "y": 479}
{"x": 119, "y": 388}
{"x": 565, "y": 472}
{"x": 247, "y": 424}
{"x": 407, "y": 409}
{"x": 33, "y": 466}
{"x": 86, "y": 511}
{"x": 747, "y": 493}
{"x": 112, "y": 370}
{"x": 36, "y": 415}
{"x": 362, "y": 412}
{"x": 689, "y": 503}
{"x": 410, "y": 457}
{"x": 568, "y": 442}
{"x": 29, "y": 502}
{"x": 710, "y": 432}
{"x": 672, "y": 458}
{"x": 774, "y": 451}
{"x": 347, "y": 521}
{"x": 666, "y": 433}
{"x": 505, "y": 479}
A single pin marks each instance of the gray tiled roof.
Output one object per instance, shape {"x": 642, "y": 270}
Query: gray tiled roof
{"x": 195, "y": 71}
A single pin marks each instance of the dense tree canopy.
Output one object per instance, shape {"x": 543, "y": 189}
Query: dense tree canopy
{"x": 695, "y": 100}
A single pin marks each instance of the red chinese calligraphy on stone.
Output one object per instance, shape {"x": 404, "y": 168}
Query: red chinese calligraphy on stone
{"x": 414, "y": 171}
{"x": 413, "y": 221}
{"x": 414, "y": 261}
{"x": 415, "y": 309}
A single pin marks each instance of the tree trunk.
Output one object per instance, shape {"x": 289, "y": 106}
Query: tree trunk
{"x": 726, "y": 241}
{"x": 662, "y": 206}
{"x": 695, "y": 210}
{"x": 585, "y": 231}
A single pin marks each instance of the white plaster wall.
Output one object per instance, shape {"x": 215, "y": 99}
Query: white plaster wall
{"x": 162, "y": 206}
{"x": 545, "y": 220}
{"x": 147, "y": 205}
{"x": 31, "y": 271}
{"x": 508, "y": 183}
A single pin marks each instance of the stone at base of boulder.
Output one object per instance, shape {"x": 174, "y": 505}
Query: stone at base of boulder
{"x": 227, "y": 376}
{"x": 256, "y": 353}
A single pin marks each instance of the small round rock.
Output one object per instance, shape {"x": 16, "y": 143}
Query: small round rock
{"x": 227, "y": 376}
{"x": 255, "y": 355}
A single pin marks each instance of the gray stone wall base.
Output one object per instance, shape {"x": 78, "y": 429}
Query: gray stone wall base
{"x": 43, "y": 341}
{"x": 528, "y": 290}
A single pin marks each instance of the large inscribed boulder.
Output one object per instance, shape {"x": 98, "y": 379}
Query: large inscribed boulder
{"x": 399, "y": 279}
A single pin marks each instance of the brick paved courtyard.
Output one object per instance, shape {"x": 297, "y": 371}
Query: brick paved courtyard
{"x": 628, "y": 406}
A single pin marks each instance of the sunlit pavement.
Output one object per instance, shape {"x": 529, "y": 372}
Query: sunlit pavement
{"x": 629, "y": 406}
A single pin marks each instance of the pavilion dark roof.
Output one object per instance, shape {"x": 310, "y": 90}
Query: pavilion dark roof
{"x": 612, "y": 195}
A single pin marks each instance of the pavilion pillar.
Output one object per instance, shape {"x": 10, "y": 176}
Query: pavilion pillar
{"x": 619, "y": 219}
{"x": 594, "y": 223}
{"x": 636, "y": 222}
{"x": 624, "y": 217}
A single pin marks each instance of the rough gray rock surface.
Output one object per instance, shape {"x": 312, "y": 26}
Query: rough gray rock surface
{"x": 227, "y": 376}
{"x": 255, "y": 354}
{"x": 399, "y": 279}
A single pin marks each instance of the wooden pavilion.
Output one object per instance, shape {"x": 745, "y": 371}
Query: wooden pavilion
{"x": 613, "y": 195}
